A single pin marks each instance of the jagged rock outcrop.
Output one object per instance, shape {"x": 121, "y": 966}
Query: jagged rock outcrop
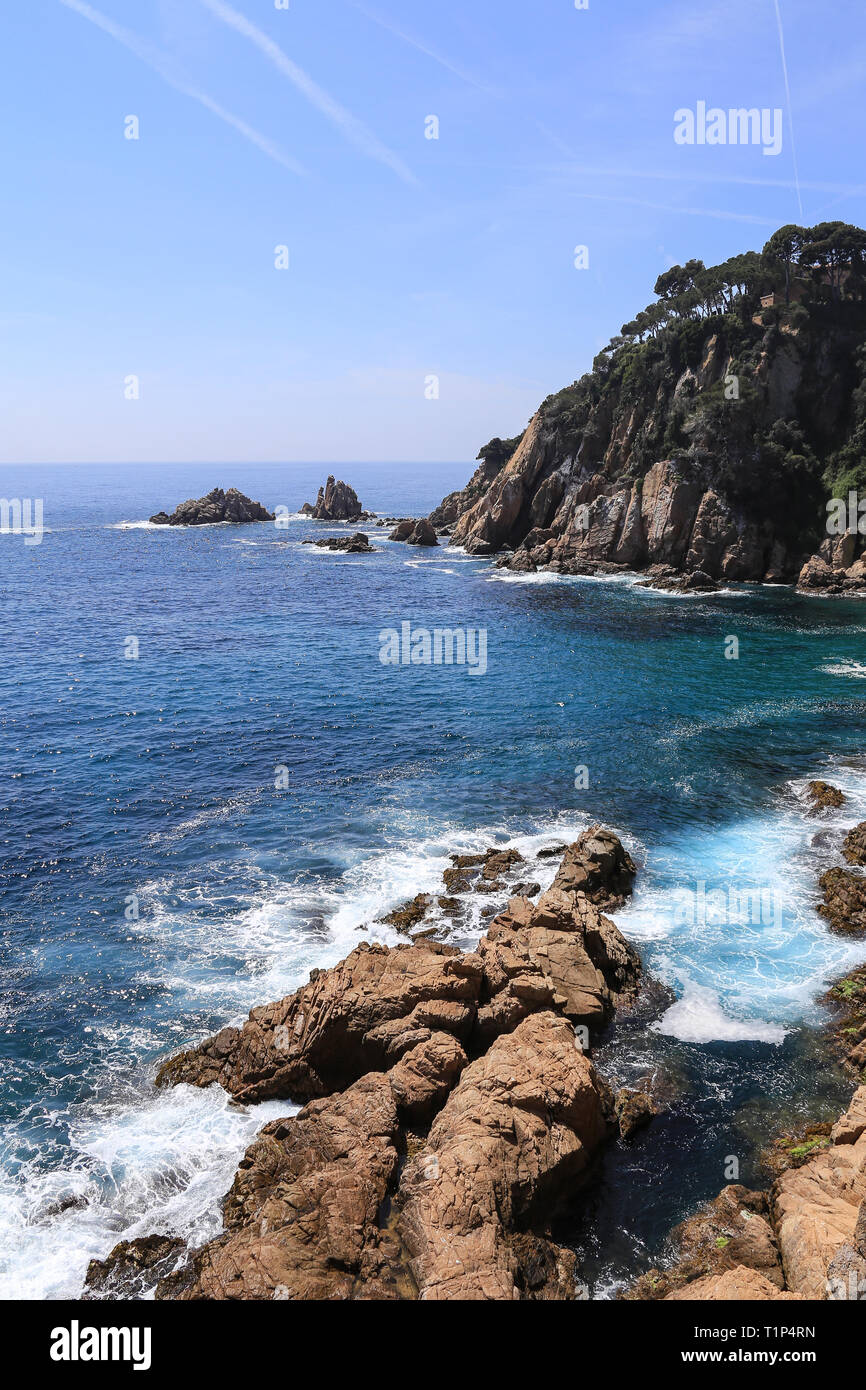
{"x": 337, "y": 501}
{"x": 520, "y": 1127}
{"x": 301, "y": 1216}
{"x": 493, "y": 457}
{"x": 598, "y": 866}
{"x": 217, "y": 506}
{"x": 804, "y": 1239}
{"x": 844, "y": 904}
{"x": 730, "y": 1233}
{"x": 422, "y": 534}
{"x": 560, "y": 953}
{"x": 516, "y": 1134}
{"x": 854, "y": 847}
{"x": 837, "y": 567}
{"x": 361, "y": 1016}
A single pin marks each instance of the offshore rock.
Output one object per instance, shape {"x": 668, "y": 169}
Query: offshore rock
{"x": 336, "y": 502}
{"x": 217, "y": 506}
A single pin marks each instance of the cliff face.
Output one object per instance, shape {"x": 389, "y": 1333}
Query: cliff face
{"x": 710, "y": 449}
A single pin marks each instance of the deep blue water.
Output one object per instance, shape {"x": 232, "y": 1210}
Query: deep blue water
{"x": 148, "y": 785}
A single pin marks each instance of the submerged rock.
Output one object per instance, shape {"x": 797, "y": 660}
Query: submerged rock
{"x": 217, "y": 506}
{"x": 358, "y": 544}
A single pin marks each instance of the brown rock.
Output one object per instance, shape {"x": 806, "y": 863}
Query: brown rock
{"x": 816, "y": 1207}
{"x": 302, "y": 1215}
{"x": 559, "y": 953}
{"x": 361, "y": 1016}
{"x": 844, "y": 904}
{"x": 598, "y": 866}
{"x": 422, "y": 534}
{"x": 133, "y": 1268}
{"x": 634, "y": 1110}
{"x": 336, "y": 502}
{"x": 823, "y": 796}
{"x": 735, "y": 1285}
{"x": 854, "y": 847}
{"x": 520, "y": 1128}
{"x": 729, "y": 1233}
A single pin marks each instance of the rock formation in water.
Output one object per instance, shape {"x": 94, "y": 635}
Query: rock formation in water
{"x": 216, "y": 506}
{"x": 336, "y": 502}
{"x": 358, "y": 544}
{"x": 709, "y": 437}
{"x": 452, "y": 1109}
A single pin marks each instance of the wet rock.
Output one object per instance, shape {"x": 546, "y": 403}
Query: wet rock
{"x": 823, "y": 796}
{"x": 217, "y": 506}
{"x": 634, "y": 1110}
{"x": 358, "y": 544}
{"x": 598, "y": 866}
{"x": 410, "y": 914}
{"x": 730, "y": 1233}
{"x": 848, "y": 999}
{"x": 133, "y": 1267}
{"x": 302, "y": 1214}
{"x": 422, "y": 534}
{"x": 402, "y": 531}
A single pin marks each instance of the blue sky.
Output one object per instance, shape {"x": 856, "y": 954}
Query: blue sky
{"x": 305, "y": 127}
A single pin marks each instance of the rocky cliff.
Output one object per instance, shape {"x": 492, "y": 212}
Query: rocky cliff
{"x": 706, "y": 441}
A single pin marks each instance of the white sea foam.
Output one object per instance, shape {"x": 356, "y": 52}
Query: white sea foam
{"x": 857, "y": 669}
{"x": 698, "y": 1017}
{"x": 157, "y": 1164}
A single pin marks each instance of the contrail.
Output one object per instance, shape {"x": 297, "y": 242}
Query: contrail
{"x": 788, "y": 98}
{"x": 692, "y": 212}
{"x": 160, "y": 64}
{"x": 423, "y": 48}
{"x": 354, "y": 130}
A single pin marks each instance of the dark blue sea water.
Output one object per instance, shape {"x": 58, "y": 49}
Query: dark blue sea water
{"x": 160, "y": 874}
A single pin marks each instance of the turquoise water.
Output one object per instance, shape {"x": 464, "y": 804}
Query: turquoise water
{"x": 148, "y": 786}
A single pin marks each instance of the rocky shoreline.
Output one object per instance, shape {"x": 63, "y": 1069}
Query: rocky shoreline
{"x": 452, "y": 1114}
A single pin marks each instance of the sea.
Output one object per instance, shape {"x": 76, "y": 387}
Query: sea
{"x": 211, "y": 783}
